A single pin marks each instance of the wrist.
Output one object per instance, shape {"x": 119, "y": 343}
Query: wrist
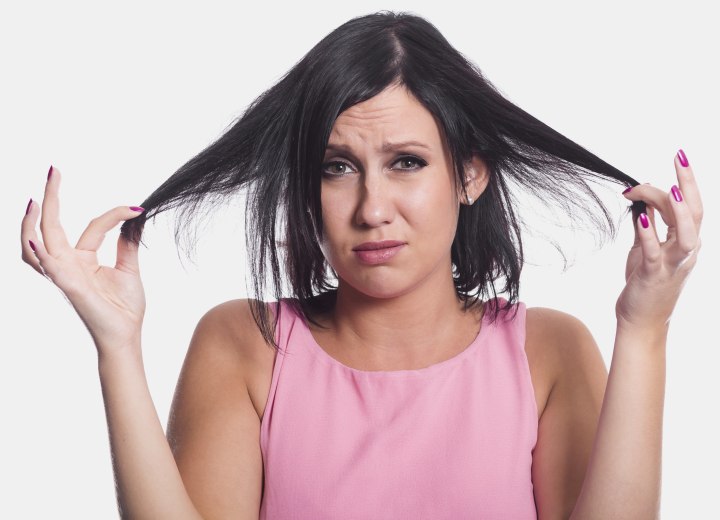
{"x": 655, "y": 334}
{"x": 129, "y": 353}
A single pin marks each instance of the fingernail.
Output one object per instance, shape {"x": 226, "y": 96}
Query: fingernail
{"x": 28, "y": 207}
{"x": 137, "y": 208}
{"x": 624, "y": 192}
{"x": 50, "y": 172}
{"x": 676, "y": 193}
{"x": 32, "y": 246}
{"x": 682, "y": 157}
{"x": 644, "y": 220}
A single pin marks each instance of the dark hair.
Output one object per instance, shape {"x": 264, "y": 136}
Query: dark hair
{"x": 275, "y": 150}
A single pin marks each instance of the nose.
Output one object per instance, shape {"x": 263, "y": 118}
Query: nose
{"x": 376, "y": 199}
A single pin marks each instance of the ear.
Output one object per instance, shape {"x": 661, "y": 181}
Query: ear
{"x": 476, "y": 177}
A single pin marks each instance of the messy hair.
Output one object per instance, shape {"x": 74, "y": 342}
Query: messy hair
{"x": 274, "y": 151}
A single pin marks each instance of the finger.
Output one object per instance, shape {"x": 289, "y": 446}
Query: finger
{"x": 44, "y": 262}
{"x": 127, "y": 255}
{"x": 686, "y": 234}
{"x": 649, "y": 244}
{"x": 94, "y": 234}
{"x": 651, "y": 217}
{"x": 689, "y": 188}
{"x": 52, "y": 232}
{"x": 27, "y": 233}
{"x": 654, "y": 197}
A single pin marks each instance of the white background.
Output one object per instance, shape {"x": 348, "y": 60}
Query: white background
{"x": 118, "y": 97}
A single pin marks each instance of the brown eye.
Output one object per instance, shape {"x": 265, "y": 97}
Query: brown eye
{"x": 414, "y": 162}
{"x": 334, "y": 164}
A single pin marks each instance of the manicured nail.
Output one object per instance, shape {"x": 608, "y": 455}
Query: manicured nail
{"x": 137, "y": 208}
{"x": 27, "y": 210}
{"x": 624, "y": 192}
{"x": 682, "y": 157}
{"x": 676, "y": 193}
{"x": 32, "y": 246}
{"x": 644, "y": 220}
{"x": 50, "y": 172}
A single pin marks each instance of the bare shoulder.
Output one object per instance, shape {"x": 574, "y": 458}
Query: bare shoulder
{"x": 213, "y": 429}
{"x": 557, "y": 341}
{"x": 566, "y": 429}
{"x": 233, "y": 325}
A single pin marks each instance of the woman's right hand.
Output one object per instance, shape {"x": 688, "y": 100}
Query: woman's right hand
{"x": 110, "y": 301}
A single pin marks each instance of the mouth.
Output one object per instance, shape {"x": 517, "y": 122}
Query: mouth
{"x": 379, "y": 255}
{"x": 374, "y": 246}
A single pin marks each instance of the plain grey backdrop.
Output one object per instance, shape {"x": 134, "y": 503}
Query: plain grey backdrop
{"x": 119, "y": 96}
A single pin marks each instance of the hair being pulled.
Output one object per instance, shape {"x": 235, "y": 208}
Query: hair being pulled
{"x": 274, "y": 151}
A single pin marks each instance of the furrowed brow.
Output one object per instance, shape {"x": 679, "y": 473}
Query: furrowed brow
{"x": 387, "y": 146}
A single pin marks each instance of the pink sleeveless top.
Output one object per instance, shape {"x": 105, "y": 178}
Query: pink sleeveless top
{"x": 450, "y": 441}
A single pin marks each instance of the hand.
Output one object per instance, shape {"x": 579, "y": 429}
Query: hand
{"x": 111, "y": 302}
{"x": 656, "y": 272}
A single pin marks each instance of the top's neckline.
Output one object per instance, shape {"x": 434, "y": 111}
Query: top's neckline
{"x": 325, "y": 357}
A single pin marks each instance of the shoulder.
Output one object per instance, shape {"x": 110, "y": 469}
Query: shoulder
{"x": 568, "y": 423}
{"x": 231, "y": 325}
{"x": 213, "y": 429}
{"x": 562, "y": 340}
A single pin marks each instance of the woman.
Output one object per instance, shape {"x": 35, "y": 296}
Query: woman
{"x": 373, "y": 403}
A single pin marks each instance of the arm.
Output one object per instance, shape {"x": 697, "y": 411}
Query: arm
{"x": 214, "y": 428}
{"x": 624, "y": 474}
{"x": 147, "y": 479}
{"x": 624, "y": 471}
{"x": 599, "y": 437}
{"x": 111, "y": 303}
{"x": 210, "y": 464}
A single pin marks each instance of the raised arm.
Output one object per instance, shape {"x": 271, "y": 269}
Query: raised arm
{"x": 111, "y": 303}
{"x": 624, "y": 472}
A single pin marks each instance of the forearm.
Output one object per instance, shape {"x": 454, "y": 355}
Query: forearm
{"x": 624, "y": 471}
{"x": 147, "y": 480}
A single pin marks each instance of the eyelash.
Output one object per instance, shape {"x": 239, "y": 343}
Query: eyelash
{"x": 419, "y": 162}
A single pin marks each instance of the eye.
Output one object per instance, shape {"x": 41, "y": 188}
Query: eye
{"x": 333, "y": 164}
{"x": 410, "y": 159}
{"x": 415, "y": 164}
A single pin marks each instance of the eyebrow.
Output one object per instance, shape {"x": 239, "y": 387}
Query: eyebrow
{"x": 387, "y": 146}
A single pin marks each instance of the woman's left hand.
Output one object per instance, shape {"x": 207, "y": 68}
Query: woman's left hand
{"x": 656, "y": 272}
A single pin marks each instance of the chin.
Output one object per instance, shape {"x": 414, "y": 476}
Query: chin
{"x": 380, "y": 287}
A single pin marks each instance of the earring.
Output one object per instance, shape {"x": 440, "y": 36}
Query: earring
{"x": 469, "y": 198}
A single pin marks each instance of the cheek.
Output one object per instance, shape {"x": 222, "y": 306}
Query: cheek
{"x": 334, "y": 216}
{"x": 433, "y": 211}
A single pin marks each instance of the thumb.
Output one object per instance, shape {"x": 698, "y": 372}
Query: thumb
{"x": 127, "y": 255}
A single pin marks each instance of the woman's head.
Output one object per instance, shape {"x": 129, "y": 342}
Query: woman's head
{"x": 275, "y": 152}
{"x": 388, "y": 175}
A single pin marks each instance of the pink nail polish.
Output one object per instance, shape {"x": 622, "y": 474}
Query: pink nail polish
{"x": 624, "y": 192}
{"x": 28, "y": 207}
{"x": 137, "y": 208}
{"x": 32, "y": 246}
{"x": 683, "y": 158}
{"x": 644, "y": 220}
{"x": 676, "y": 193}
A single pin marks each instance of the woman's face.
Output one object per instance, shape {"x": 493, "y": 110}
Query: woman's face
{"x": 378, "y": 185}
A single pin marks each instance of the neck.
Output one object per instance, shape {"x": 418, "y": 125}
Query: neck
{"x": 415, "y": 325}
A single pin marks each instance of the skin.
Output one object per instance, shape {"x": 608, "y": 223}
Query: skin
{"x": 369, "y": 195}
{"x": 588, "y": 463}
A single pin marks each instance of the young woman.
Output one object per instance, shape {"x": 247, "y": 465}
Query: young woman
{"x": 389, "y": 384}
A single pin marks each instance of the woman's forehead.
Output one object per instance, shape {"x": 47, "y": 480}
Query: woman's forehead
{"x": 393, "y": 116}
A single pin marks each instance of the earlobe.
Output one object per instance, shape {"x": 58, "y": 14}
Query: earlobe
{"x": 476, "y": 178}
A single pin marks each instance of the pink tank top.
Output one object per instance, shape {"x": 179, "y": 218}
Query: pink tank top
{"x": 450, "y": 441}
